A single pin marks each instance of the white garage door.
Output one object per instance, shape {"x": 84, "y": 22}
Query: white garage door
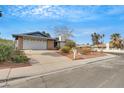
{"x": 34, "y": 44}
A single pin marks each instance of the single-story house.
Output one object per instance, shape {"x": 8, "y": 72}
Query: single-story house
{"x": 36, "y": 41}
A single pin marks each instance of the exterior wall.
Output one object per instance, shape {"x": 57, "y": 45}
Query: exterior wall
{"x": 61, "y": 44}
{"x": 28, "y": 43}
{"x": 34, "y": 44}
{"x": 19, "y": 43}
{"x": 61, "y": 38}
{"x": 50, "y": 44}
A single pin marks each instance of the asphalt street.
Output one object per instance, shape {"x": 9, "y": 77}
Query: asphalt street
{"x": 103, "y": 74}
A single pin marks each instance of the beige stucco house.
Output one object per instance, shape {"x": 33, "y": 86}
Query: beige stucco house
{"x": 36, "y": 41}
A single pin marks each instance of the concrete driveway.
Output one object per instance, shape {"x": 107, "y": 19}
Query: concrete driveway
{"x": 44, "y": 62}
{"x": 103, "y": 74}
{"x": 45, "y": 57}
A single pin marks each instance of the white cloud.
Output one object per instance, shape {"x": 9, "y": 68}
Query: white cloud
{"x": 73, "y": 14}
{"x": 70, "y": 13}
{"x": 36, "y": 11}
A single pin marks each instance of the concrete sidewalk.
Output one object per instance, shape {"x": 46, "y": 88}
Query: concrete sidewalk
{"x": 16, "y": 73}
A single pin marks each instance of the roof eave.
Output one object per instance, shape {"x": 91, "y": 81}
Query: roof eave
{"x": 14, "y": 35}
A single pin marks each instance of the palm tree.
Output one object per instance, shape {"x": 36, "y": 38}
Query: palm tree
{"x": 115, "y": 35}
{"x": 96, "y": 38}
{"x": 116, "y": 40}
{"x": 101, "y": 37}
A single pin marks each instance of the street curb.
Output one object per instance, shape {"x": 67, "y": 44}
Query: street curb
{"x": 74, "y": 66}
{"x": 71, "y": 67}
{"x": 25, "y": 78}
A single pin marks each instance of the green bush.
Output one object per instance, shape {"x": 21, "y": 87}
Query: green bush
{"x": 18, "y": 52}
{"x": 20, "y": 59}
{"x": 66, "y": 49}
{"x": 5, "y": 52}
{"x": 6, "y": 42}
{"x": 70, "y": 43}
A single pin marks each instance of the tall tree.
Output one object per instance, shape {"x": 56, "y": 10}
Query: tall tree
{"x": 101, "y": 37}
{"x": 116, "y": 40}
{"x": 47, "y": 34}
{"x": 63, "y": 31}
{"x": 97, "y": 38}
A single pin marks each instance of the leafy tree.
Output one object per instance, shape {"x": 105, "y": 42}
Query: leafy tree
{"x": 47, "y": 34}
{"x": 63, "y": 31}
{"x": 70, "y": 43}
{"x": 97, "y": 38}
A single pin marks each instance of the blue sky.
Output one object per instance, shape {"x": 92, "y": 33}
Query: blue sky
{"x": 84, "y": 20}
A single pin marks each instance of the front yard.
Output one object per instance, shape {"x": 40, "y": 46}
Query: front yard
{"x": 12, "y": 58}
{"x": 6, "y": 64}
{"x": 83, "y": 56}
{"x": 83, "y": 52}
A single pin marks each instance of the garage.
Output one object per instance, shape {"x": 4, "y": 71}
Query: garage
{"x": 34, "y": 44}
{"x": 34, "y": 41}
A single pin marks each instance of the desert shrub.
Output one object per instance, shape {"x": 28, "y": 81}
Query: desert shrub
{"x": 6, "y": 42}
{"x": 18, "y": 52}
{"x": 5, "y": 52}
{"x": 66, "y": 49}
{"x": 70, "y": 43}
{"x": 85, "y": 50}
{"x": 20, "y": 59}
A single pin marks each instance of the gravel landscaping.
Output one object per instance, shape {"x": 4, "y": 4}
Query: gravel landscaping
{"x": 81, "y": 56}
{"x": 6, "y": 65}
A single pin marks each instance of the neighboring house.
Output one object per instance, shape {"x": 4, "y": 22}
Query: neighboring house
{"x": 36, "y": 41}
{"x": 106, "y": 46}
